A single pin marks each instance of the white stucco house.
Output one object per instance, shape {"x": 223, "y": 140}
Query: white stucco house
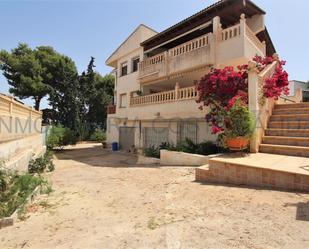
{"x": 296, "y": 85}
{"x": 155, "y": 72}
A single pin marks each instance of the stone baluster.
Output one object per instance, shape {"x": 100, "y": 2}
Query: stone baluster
{"x": 253, "y": 102}
{"x": 177, "y": 90}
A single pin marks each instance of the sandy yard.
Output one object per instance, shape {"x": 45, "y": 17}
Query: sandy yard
{"x": 103, "y": 200}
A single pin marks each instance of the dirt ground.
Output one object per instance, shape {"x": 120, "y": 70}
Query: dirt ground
{"x": 103, "y": 200}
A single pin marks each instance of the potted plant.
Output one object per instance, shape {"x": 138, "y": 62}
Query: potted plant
{"x": 139, "y": 93}
{"x": 238, "y": 125}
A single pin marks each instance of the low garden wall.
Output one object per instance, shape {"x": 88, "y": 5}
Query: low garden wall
{"x": 20, "y": 134}
{"x": 16, "y": 154}
{"x": 176, "y": 158}
{"x": 143, "y": 160}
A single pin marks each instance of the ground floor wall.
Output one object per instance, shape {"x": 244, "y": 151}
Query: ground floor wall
{"x": 18, "y": 127}
{"x": 16, "y": 154}
{"x": 156, "y": 131}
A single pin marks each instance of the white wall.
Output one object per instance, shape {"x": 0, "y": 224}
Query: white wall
{"x": 294, "y": 84}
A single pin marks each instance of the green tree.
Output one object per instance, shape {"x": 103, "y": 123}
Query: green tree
{"x": 96, "y": 93}
{"x": 33, "y": 72}
{"x": 64, "y": 97}
{"x": 102, "y": 97}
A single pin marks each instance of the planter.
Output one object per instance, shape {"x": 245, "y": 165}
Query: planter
{"x": 143, "y": 160}
{"x": 178, "y": 158}
{"x": 237, "y": 143}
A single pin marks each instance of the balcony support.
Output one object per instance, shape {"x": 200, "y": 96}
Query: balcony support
{"x": 177, "y": 90}
{"x": 253, "y": 102}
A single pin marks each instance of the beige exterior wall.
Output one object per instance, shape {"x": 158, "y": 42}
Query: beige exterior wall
{"x": 233, "y": 46}
{"x": 17, "y": 153}
{"x": 20, "y": 134}
{"x": 17, "y": 120}
{"x": 203, "y": 131}
{"x": 176, "y": 158}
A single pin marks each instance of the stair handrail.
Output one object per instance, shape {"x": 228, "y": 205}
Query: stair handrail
{"x": 287, "y": 99}
{"x": 260, "y": 106}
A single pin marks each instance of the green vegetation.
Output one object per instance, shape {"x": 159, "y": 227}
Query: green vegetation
{"x": 239, "y": 121}
{"x": 78, "y": 102}
{"x": 99, "y": 135}
{"x": 60, "y": 136}
{"x": 40, "y": 164}
{"x": 16, "y": 188}
{"x": 152, "y": 151}
{"x": 188, "y": 146}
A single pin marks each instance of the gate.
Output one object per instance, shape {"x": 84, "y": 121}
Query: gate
{"x": 126, "y": 137}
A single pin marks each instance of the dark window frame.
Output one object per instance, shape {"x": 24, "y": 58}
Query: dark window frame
{"x": 134, "y": 64}
{"x": 124, "y": 69}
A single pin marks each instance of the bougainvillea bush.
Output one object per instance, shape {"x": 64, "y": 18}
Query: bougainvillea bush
{"x": 220, "y": 88}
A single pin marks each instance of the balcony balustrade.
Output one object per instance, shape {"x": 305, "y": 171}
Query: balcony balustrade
{"x": 178, "y": 94}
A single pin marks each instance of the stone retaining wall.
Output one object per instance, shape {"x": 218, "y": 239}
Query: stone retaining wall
{"x": 177, "y": 158}
{"x": 226, "y": 173}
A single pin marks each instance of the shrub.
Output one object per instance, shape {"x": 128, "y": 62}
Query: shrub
{"x": 220, "y": 86}
{"x": 16, "y": 189}
{"x": 207, "y": 148}
{"x": 188, "y": 146}
{"x": 152, "y": 151}
{"x": 40, "y": 164}
{"x": 60, "y": 136}
{"x": 239, "y": 121}
{"x": 167, "y": 146}
{"x": 204, "y": 148}
{"x": 98, "y": 135}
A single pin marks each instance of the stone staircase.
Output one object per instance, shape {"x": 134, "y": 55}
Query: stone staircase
{"x": 288, "y": 131}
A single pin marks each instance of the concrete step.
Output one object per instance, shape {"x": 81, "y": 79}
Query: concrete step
{"x": 294, "y": 105}
{"x": 288, "y": 125}
{"x": 290, "y": 117}
{"x": 291, "y": 111}
{"x": 287, "y": 132}
{"x": 285, "y": 150}
{"x": 291, "y": 141}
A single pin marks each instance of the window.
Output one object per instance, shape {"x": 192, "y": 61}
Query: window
{"x": 135, "y": 62}
{"x": 155, "y": 136}
{"x": 124, "y": 69}
{"x": 123, "y": 100}
{"x": 187, "y": 130}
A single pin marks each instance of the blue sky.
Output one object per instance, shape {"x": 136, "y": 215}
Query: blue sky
{"x": 81, "y": 29}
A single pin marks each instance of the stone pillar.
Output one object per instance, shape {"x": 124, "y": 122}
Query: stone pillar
{"x": 242, "y": 24}
{"x": 177, "y": 90}
{"x": 167, "y": 63}
{"x": 216, "y": 38}
{"x": 253, "y": 103}
{"x": 264, "y": 47}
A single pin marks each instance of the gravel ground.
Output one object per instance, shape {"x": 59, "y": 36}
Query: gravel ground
{"x": 103, "y": 200}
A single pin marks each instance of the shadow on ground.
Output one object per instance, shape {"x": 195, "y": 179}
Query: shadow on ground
{"x": 96, "y": 156}
{"x": 302, "y": 210}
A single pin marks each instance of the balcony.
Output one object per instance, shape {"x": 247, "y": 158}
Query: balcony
{"x": 237, "y": 43}
{"x": 179, "y": 94}
{"x": 193, "y": 54}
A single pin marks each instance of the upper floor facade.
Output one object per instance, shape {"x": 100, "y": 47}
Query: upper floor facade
{"x": 157, "y": 70}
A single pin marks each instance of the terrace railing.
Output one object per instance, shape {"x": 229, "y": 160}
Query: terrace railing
{"x": 178, "y": 94}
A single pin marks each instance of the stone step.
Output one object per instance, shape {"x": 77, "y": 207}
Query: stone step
{"x": 290, "y": 117}
{"x": 291, "y": 141}
{"x": 294, "y": 105}
{"x": 287, "y": 132}
{"x": 285, "y": 150}
{"x": 291, "y": 111}
{"x": 288, "y": 125}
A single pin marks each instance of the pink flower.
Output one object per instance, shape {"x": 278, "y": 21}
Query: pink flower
{"x": 215, "y": 129}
